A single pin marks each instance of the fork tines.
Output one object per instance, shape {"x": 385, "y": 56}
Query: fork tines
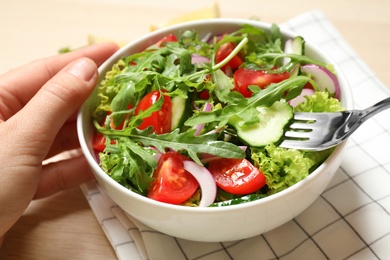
{"x": 309, "y": 131}
{"x": 301, "y": 126}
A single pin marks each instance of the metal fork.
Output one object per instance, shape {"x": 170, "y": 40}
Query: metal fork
{"x": 319, "y": 131}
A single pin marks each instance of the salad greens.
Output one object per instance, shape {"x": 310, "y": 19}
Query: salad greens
{"x": 129, "y": 156}
{"x": 285, "y": 167}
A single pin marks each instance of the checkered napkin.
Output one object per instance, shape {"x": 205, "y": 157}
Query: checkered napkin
{"x": 350, "y": 220}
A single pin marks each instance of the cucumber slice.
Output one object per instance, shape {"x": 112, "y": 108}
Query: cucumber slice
{"x": 269, "y": 129}
{"x": 180, "y": 111}
{"x": 295, "y": 45}
{"x": 298, "y": 45}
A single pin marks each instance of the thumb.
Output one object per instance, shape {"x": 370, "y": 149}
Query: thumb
{"x": 44, "y": 115}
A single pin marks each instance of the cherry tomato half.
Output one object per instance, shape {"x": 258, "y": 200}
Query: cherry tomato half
{"x": 237, "y": 176}
{"x": 172, "y": 184}
{"x": 223, "y": 51}
{"x": 169, "y": 38}
{"x": 99, "y": 142}
{"x": 160, "y": 120}
{"x": 244, "y": 78}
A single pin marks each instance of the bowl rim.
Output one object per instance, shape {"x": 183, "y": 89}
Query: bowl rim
{"x": 216, "y": 21}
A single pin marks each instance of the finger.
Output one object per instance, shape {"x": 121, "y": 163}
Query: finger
{"x": 43, "y": 117}
{"x": 63, "y": 175}
{"x": 65, "y": 140}
{"x": 21, "y": 84}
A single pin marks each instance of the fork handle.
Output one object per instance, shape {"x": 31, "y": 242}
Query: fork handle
{"x": 358, "y": 117}
{"x": 375, "y": 109}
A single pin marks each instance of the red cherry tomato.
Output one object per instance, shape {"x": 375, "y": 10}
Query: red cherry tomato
{"x": 99, "y": 142}
{"x": 244, "y": 78}
{"x": 172, "y": 184}
{"x": 169, "y": 38}
{"x": 308, "y": 85}
{"x": 204, "y": 95}
{"x": 223, "y": 51}
{"x": 160, "y": 120}
{"x": 237, "y": 176}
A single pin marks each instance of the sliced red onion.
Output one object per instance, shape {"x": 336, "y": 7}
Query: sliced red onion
{"x": 207, "y": 108}
{"x": 199, "y": 129}
{"x": 206, "y": 182}
{"x": 216, "y": 38}
{"x": 206, "y": 158}
{"x": 157, "y": 155}
{"x": 206, "y": 38}
{"x": 325, "y": 79}
{"x": 97, "y": 156}
{"x": 301, "y": 98}
{"x": 197, "y": 59}
{"x": 196, "y": 107}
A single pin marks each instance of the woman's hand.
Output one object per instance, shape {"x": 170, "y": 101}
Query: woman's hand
{"x": 38, "y": 107}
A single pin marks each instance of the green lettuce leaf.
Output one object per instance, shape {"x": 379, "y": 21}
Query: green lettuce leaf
{"x": 321, "y": 101}
{"x": 128, "y": 163}
{"x": 285, "y": 167}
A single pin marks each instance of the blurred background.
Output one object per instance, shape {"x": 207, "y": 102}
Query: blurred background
{"x": 31, "y": 29}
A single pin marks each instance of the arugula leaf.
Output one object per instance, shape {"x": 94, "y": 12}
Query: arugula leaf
{"x": 189, "y": 40}
{"x": 224, "y": 85}
{"x": 121, "y": 101}
{"x": 148, "y": 60}
{"x": 64, "y": 50}
{"x": 275, "y": 34}
{"x": 185, "y": 141}
{"x": 274, "y": 59}
{"x": 129, "y": 164}
{"x": 185, "y": 64}
{"x": 246, "y": 110}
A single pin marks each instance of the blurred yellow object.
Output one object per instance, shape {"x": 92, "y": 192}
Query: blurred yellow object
{"x": 94, "y": 39}
{"x": 204, "y": 13}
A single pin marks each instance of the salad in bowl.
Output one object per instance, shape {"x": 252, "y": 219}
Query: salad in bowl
{"x": 189, "y": 118}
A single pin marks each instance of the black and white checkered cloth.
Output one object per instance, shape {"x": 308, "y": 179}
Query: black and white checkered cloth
{"x": 350, "y": 220}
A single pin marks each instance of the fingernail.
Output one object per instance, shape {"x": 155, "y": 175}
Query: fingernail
{"x": 83, "y": 68}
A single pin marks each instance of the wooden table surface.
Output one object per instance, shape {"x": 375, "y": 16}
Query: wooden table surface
{"x": 63, "y": 226}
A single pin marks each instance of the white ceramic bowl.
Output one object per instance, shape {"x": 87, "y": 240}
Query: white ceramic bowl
{"x": 212, "y": 224}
